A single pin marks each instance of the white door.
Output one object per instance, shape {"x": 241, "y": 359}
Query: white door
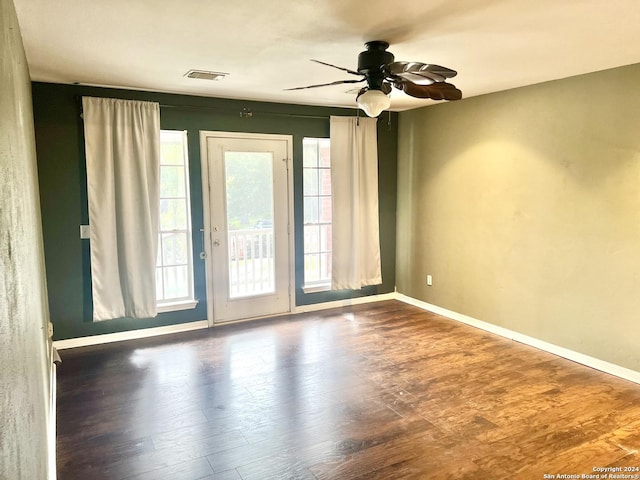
{"x": 247, "y": 209}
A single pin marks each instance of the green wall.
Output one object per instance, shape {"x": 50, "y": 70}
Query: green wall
{"x": 62, "y": 175}
{"x": 524, "y": 205}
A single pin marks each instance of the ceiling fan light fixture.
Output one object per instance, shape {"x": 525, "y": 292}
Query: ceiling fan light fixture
{"x": 373, "y": 102}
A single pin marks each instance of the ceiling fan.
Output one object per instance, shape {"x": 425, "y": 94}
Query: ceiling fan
{"x": 378, "y": 68}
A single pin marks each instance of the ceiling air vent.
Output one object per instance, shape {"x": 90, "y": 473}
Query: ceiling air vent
{"x": 205, "y": 75}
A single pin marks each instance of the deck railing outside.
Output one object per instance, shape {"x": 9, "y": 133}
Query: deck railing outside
{"x": 251, "y": 262}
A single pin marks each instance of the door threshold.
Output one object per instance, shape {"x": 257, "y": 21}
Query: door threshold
{"x": 250, "y": 319}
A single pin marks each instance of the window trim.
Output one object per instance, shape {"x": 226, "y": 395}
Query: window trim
{"x": 176, "y": 306}
{"x": 315, "y": 288}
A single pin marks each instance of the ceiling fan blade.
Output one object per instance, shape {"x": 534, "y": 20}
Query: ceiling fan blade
{"x": 425, "y": 69}
{"x": 435, "y": 91}
{"x": 419, "y": 78}
{"x": 352, "y": 72}
{"x": 338, "y": 82}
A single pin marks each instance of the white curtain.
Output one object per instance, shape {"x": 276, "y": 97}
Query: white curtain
{"x": 122, "y": 144}
{"x": 354, "y": 189}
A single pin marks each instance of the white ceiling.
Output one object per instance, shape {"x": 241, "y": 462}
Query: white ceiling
{"x": 266, "y": 45}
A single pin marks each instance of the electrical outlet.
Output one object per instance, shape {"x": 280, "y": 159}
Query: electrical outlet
{"x": 429, "y": 280}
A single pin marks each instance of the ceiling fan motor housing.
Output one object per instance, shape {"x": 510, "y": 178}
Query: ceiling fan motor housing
{"x": 371, "y": 61}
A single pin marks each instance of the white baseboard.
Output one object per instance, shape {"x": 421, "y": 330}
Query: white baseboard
{"x": 581, "y": 358}
{"x": 315, "y": 307}
{"x": 577, "y": 357}
{"x": 186, "y": 327}
{"x": 130, "y": 335}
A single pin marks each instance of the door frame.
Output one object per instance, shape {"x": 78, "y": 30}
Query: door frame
{"x": 206, "y": 211}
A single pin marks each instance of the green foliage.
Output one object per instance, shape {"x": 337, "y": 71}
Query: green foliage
{"x": 249, "y": 185}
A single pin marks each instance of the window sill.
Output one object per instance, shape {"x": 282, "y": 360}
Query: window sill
{"x": 324, "y": 287}
{"x": 175, "y": 306}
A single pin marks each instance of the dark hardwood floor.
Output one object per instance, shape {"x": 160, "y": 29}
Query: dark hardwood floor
{"x": 378, "y": 391}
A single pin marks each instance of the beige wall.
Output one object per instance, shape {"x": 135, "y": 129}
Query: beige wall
{"x": 524, "y": 205}
{"x": 24, "y": 348}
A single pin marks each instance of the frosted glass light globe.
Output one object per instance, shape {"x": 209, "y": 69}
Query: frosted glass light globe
{"x": 373, "y": 102}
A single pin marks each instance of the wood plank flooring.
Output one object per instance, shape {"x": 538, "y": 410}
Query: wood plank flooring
{"x": 378, "y": 391}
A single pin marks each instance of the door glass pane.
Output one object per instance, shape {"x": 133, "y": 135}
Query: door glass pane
{"x": 249, "y": 210}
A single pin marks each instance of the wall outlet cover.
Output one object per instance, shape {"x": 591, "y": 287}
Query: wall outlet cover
{"x": 85, "y": 231}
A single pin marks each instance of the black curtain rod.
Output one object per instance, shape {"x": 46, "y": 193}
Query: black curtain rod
{"x": 246, "y": 112}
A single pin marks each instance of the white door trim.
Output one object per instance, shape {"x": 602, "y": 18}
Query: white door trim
{"x": 204, "y": 134}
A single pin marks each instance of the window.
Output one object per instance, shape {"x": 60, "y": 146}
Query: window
{"x": 174, "y": 265}
{"x": 317, "y": 214}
